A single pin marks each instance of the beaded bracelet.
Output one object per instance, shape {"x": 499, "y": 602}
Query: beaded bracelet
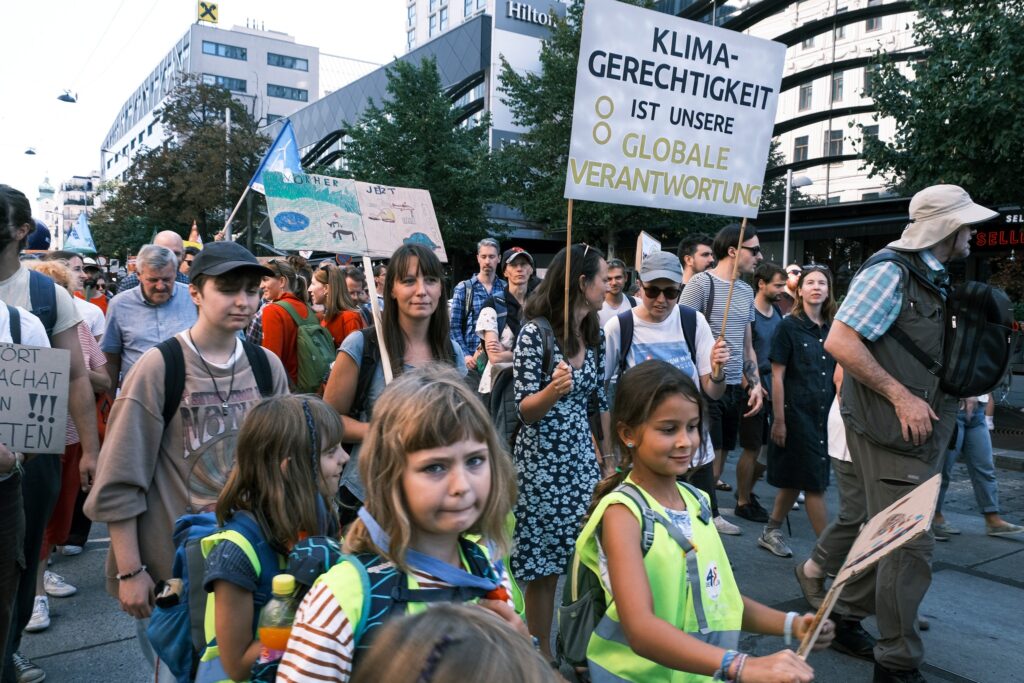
{"x": 741, "y": 662}
{"x": 727, "y": 659}
{"x": 132, "y": 574}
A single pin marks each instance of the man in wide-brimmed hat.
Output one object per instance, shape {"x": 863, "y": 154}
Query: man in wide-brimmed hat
{"x": 898, "y": 421}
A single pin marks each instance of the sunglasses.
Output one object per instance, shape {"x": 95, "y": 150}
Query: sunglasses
{"x": 99, "y": 286}
{"x": 671, "y": 293}
{"x": 815, "y": 266}
{"x": 753, "y": 250}
{"x": 188, "y": 261}
{"x": 795, "y": 271}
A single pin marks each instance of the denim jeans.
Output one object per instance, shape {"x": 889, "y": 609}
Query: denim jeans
{"x": 974, "y": 443}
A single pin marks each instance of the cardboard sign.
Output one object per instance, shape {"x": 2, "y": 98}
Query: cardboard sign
{"x": 671, "y": 113}
{"x": 33, "y": 398}
{"x": 645, "y": 246}
{"x": 345, "y": 216}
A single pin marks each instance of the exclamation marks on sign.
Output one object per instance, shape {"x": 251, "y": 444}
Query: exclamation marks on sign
{"x": 44, "y": 413}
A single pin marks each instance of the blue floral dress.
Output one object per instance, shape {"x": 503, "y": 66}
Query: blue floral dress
{"x": 556, "y": 467}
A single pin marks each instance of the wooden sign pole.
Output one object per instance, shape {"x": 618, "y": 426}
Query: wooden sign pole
{"x": 716, "y": 370}
{"x": 568, "y": 269}
{"x": 385, "y": 358}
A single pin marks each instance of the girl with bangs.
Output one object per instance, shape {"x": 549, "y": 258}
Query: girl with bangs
{"x": 438, "y": 489}
{"x": 415, "y": 329}
{"x": 341, "y": 315}
{"x": 280, "y": 491}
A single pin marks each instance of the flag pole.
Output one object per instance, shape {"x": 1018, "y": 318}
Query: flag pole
{"x": 568, "y": 269}
{"x": 716, "y": 370}
{"x": 227, "y": 224}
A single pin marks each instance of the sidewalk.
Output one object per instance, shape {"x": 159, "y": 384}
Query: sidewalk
{"x": 1008, "y": 438}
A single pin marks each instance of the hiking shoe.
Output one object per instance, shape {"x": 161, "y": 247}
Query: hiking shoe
{"x": 724, "y": 526}
{"x": 1004, "y": 529}
{"x": 851, "y": 639}
{"x": 70, "y": 550}
{"x": 40, "y": 620}
{"x": 813, "y": 589}
{"x": 772, "y": 540}
{"x": 945, "y": 530}
{"x": 883, "y": 675}
{"x": 26, "y": 671}
{"x": 55, "y": 585}
{"x": 753, "y": 512}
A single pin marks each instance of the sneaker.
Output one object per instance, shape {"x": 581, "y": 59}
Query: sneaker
{"x": 55, "y": 585}
{"x": 800, "y": 498}
{"x": 944, "y": 529}
{"x": 1004, "y": 529}
{"x": 724, "y": 526}
{"x": 25, "y": 670}
{"x": 851, "y": 639}
{"x": 796, "y": 504}
{"x": 40, "y": 620}
{"x": 772, "y": 540}
{"x": 883, "y": 675}
{"x": 753, "y": 512}
{"x": 71, "y": 550}
{"x": 813, "y": 589}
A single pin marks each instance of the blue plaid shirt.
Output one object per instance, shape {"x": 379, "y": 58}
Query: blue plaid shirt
{"x": 463, "y": 331}
{"x": 875, "y": 298}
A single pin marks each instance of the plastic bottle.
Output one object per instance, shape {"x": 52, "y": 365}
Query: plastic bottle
{"x": 276, "y": 619}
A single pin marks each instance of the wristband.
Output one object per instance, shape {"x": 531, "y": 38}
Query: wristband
{"x": 741, "y": 662}
{"x": 787, "y": 629}
{"x": 727, "y": 659}
{"x": 132, "y": 574}
{"x": 719, "y": 380}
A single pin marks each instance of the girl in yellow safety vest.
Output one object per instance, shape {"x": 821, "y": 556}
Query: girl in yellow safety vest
{"x": 289, "y": 463}
{"x": 674, "y": 614}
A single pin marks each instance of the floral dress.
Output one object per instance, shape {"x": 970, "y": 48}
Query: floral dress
{"x": 556, "y": 466}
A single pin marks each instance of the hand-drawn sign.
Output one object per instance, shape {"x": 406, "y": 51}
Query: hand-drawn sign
{"x": 33, "y": 398}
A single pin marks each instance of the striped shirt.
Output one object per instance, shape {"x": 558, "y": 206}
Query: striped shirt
{"x": 875, "y": 297}
{"x": 321, "y": 645}
{"x": 741, "y": 314}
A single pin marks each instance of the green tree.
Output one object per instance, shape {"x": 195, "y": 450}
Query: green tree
{"x": 184, "y": 179}
{"x": 960, "y": 117}
{"x": 412, "y": 140}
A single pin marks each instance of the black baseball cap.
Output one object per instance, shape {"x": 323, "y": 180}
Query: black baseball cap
{"x": 220, "y": 257}
{"x": 514, "y": 252}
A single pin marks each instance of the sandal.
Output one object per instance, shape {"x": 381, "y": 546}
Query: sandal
{"x": 722, "y": 486}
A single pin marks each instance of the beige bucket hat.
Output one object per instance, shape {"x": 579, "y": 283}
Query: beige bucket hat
{"x": 937, "y": 212}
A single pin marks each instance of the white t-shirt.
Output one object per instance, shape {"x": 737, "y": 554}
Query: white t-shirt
{"x": 663, "y": 341}
{"x": 488, "y": 322}
{"x": 92, "y": 315}
{"x": 608, "y": 312}
{"x": 32, "y": 331}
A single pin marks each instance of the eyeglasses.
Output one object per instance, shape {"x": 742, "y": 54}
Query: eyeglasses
{"x": 753, "y": 250}
{"x": 794, "y": 271}
{"x": 671, "y": 293}
{"x": 97, "y": 286}
{"x": 815, "y": 266}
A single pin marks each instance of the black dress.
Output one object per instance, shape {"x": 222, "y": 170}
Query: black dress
{"x": 803, "y": 463}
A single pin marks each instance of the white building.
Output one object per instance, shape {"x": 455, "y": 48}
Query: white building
{"x": 75, "y": 196}
{"x": 268, "y": 71}
{"x": 47, "y": 210}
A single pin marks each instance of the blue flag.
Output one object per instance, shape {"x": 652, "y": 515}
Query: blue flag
{"x": 79, "y": 238}
{"x": 282, "y": 157}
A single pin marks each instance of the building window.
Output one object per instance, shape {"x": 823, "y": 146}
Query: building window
{"x": 433, "y": 25}
{"x": 869, "y": 195}
{"x": 221, "y": 50}
{"x": 874, "y": 23}
{"x": 410, "y": 38}
{"x": 840, "y": 31}
{"x": 226, "y": 82}
{"x": 806, "y": 91}
{"x": 837, "y": 87}
{"x": 870, "y": 72}
{"x": 286, "y": 62}
{"x": 808, "y": 42}
{"x": 480, "y": 4}
{"x": 272, "y": 117}
{"x": 410, "y": 15}
{"x": 833, "y": 143}
{"x": 869, "y": 132}
{"x": 800, "y": 148}
{"x": 468, "y": 7}
{"x": 443, "y": 22}
{"x": 433, "y": 6}
{"x": 286, "y": 93}
{"x": 834, "y": 200}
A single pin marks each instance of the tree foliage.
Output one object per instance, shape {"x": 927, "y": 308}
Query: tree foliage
{"x": 184, "y": 179}
{"x": 413, "y": 140}
{"x": 960, "y": 118}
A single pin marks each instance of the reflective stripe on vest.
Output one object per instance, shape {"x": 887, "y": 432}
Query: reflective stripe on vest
{"x": 706, "y": 603}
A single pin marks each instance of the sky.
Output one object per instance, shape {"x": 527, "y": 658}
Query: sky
{"x": 103, "y": 49}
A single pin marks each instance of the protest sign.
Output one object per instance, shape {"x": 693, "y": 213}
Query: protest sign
{"x": 33, "y": 398}
{"x": 896, "y": 525}
{"x": 345, "y": 216}
{"x": 645, "y": 246}
{"x": 671, "y": 113}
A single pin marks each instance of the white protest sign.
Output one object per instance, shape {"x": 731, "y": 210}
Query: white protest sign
{"x": 393, "y": 216}
{"x": 671, "y": 113}
{"x": 645, "y": 246}
{"x": 33, "y": 398}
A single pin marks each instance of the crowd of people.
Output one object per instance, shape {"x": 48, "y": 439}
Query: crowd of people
{"x": 265, "y": 393}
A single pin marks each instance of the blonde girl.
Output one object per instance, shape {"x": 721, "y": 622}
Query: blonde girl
{"x": 438, "y": 490}
{"x": 289, "y": 462}
{"x": 682, "y": 613}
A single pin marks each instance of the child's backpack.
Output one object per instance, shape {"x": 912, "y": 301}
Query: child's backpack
{"x": 583, "y": 599}
{"x": 502, "y": 401}
{"x": 177, "y": 626}
{"x": 976, "y": 341}
{"x": 315, "y": 350}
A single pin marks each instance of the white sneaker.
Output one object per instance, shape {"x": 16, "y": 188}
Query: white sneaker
{"x": 724, "y": 526}
{"x": 40, "y": 620}
{"x": 771, "y": 539}
{"x": 55, "y": 585}
{"x": 70, "y": 550}
{"x": 800, "y": 498}
{"x": 25, "y": 670}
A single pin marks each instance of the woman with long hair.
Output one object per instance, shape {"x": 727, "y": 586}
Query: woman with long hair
{"x": 341, "y": 315}
{"x": 557, "y": 369}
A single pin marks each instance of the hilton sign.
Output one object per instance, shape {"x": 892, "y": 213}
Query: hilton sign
{"x": 532, "y": 18}
{"x": 522, "y": 11}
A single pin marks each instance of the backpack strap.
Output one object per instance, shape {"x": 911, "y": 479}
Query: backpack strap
{"x": 625, "y": 338}
{"x": 778, "y": 311}
{"x": 632, "y": 301}
{"x": 705, "y": 509}
{"x": 244, "y": 523}
{"x": 260, "y": 368}
{"x": 290, "y": 309}
{"x": 467, "y": 303}
{"x": 547, "y": 334}
{"x": 688, "y": 322}
{"x": 14, "y": 319}
{"x": 174, "y": 376}
{"x": 43, "y": 300}
{"x": 709, "y": 303}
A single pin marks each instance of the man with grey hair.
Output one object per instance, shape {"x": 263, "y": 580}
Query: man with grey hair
{"x": 468, "y": 300}
{"x": 142, "y": 317}
{"x": 169, "y": 239}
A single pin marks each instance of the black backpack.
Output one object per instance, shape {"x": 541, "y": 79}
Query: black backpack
{"x": 976, "y": 336}
{"x": 502, "y": 401}
{"x": 687, "y": 320}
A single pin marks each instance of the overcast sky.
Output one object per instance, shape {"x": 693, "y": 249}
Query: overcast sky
{"x": 103, "y": 49}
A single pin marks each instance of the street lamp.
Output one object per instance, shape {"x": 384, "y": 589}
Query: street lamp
{"x": 791, "y": 182}
{"x": 31, "y": 151}
{"x": 66, "y": 96}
